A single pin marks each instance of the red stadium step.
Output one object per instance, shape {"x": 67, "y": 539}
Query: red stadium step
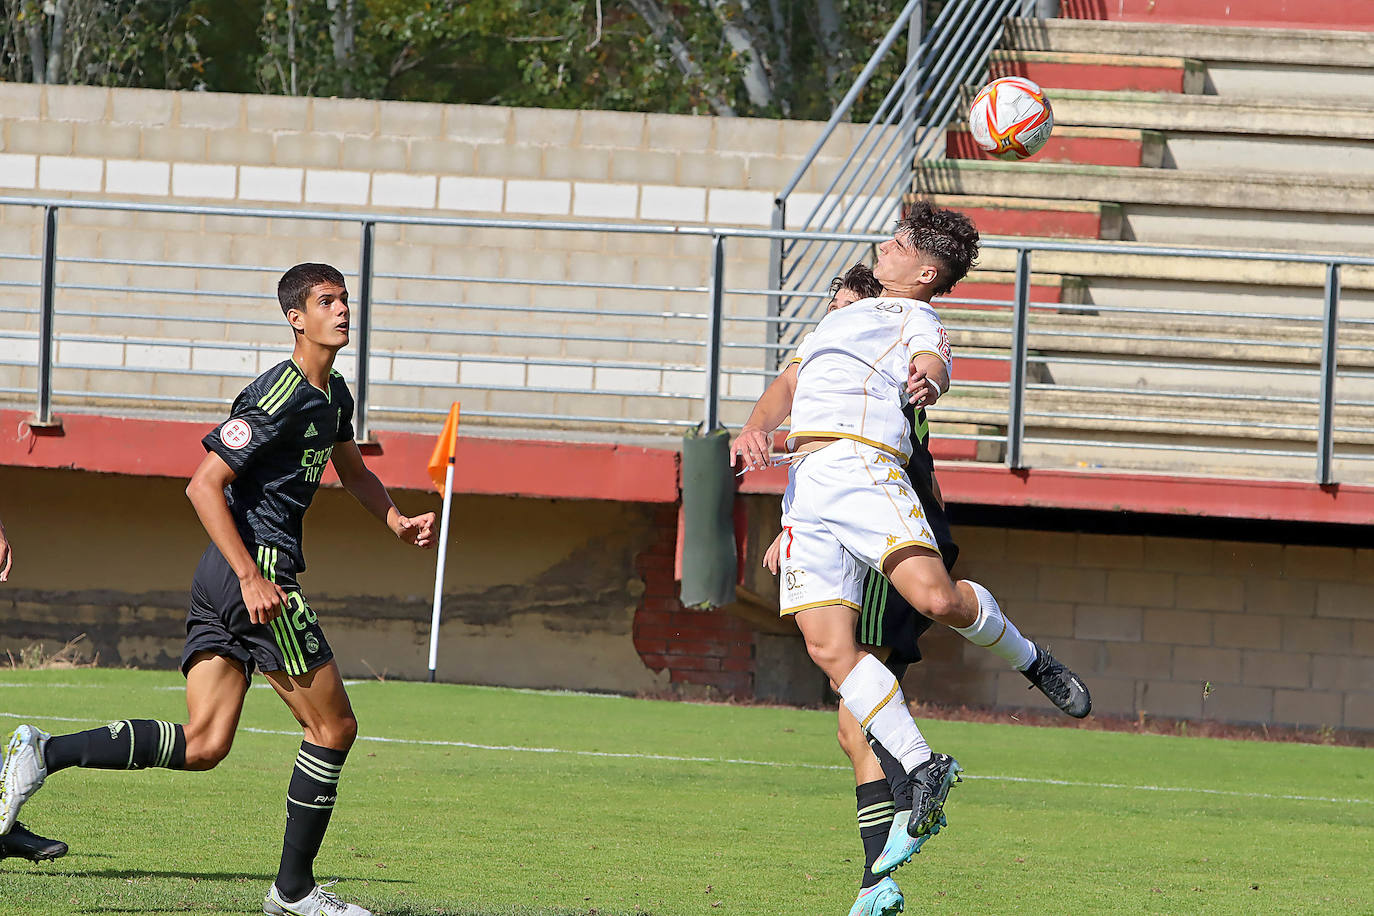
{"x": 986, "y": 289}
{"x": 1071, "y": 70}
{"x": 1028, "y": 216}
{"x": 1082, "y": 145}
{"x": 1346, "y": 15}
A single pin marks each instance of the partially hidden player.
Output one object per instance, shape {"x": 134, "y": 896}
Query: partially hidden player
{"x": 850, "y": 506}
{"x": 261, "y": 470}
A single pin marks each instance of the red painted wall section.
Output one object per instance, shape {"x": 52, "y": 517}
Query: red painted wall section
{"x": 703, "y": 648}
{"x": 503, "y": 467}
{"x": 959, "y": 144}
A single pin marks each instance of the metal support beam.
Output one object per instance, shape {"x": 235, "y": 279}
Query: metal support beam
{"x": 777, "y": 259}
{"x": 1326, "y": 423}
{"x": 1016, "y": 408}
{"x": 362, "y": 321}
{"x": 716, "y": 291}
{"x": 42, "y": 417}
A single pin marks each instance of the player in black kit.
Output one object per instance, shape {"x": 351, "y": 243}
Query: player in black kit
{"x": 261, "y": 469}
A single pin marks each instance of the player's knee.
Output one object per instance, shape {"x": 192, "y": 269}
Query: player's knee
{"x": 204, "y": 752}
{"x": 337, "y": 733}
{"x": 827, "y": 656}
{"x": 946, "y": 606}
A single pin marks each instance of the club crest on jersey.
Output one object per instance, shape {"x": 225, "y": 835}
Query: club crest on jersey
{"x": 236, "y": 434}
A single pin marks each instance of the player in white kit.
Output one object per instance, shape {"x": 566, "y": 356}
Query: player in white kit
{"x": 849, "y": 504}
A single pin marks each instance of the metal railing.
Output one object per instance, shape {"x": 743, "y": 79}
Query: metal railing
{"x": 1040, "y": 379}
{"x": 865, "y": 194}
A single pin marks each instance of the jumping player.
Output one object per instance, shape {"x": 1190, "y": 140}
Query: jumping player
{"x": 261, "y": 470}
{"x": 849, "y": 504}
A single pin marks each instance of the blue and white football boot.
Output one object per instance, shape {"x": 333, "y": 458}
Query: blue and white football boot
{"x": 22, "y": 774}
{"x": 882, "y": 899}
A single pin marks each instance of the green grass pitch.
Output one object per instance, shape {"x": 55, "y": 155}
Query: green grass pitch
{"x": 478, "y": 801}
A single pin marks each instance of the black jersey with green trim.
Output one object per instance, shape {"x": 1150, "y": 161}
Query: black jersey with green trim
{"x": 277, "y": 440}
{"x": 920, "y": 469}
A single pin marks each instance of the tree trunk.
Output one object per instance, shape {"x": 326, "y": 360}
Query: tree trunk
{"x": 828, "y": 30}
{"x": 755, "y": 74}
{"x": 660, "y": 24}
{"x": 782, "y": 64}
{"x": 343, "y": 30}
{"x": 55, "y": 42}
{"x": 37, "y": 56}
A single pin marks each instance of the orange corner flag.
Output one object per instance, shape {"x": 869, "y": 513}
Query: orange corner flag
{"x": 444, "y": 449}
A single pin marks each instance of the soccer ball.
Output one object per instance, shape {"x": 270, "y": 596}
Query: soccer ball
{"x": 1011, "y": 118}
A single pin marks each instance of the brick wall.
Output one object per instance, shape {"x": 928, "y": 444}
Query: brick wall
{"x": 1172, "y": 627}
{"x": 701, "y": 648}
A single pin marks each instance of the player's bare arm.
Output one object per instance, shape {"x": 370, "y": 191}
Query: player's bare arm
{"x": 6, "y": 554}
{"x": 755, "y": 441}
{"x": 263, "y": 599}
{"x": 368, "y": 490}
{"x": 927, "y": 379}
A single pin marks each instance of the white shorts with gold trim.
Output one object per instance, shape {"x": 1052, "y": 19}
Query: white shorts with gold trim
{"x": 846, "y": 508}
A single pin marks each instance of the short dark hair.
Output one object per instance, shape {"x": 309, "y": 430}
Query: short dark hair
{"x": 297, "y": 283}
{"x": 860, "y": 279}
{"x": 947, "y": 236}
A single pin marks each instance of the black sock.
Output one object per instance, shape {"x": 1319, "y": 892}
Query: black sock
{"x": 875, "y": 818}
{"x": 309, "y": 802}
{"x": 893, "y": 771}
{"x": 129, "y": 744}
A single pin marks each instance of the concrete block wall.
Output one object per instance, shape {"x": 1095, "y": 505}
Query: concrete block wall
{"x": 333, "y": 155}
{"x": 1172, "y": 627}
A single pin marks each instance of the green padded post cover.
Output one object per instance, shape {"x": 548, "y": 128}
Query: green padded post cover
{"x": 708, "y": 502}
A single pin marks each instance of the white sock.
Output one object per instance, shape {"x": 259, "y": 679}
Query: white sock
{"x": 994, "y": 632}
{"x": 875, "y": 698}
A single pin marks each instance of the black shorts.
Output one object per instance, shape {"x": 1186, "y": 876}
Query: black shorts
{"x": 887, "y": 620}
{"x": 218, "y": 620}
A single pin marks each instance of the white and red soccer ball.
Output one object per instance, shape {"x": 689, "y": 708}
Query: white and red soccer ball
{"x": 1011, "y": 118}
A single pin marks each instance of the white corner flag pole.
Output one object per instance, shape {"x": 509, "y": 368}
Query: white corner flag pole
{"x": 439, "y": 570}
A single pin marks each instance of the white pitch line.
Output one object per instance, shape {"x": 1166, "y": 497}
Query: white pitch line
{"x": 740, "y": 761}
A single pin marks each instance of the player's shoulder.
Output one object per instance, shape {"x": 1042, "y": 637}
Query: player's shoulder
{"x": 338, "y": 387}
{"x": 274, "y": 389}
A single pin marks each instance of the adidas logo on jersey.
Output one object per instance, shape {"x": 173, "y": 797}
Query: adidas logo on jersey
{"x": 310, "y": 431}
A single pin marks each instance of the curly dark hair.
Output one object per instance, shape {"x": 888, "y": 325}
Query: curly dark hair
{"x": 860, "y": 279}
{"x": 946, "y": 236}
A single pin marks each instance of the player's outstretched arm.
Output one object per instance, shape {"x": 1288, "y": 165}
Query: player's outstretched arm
{"x": 263, "y": 599}
{"x": 755, "y": 441}
{"x": 6, "y": 554}
{"x": 369, "y": 491}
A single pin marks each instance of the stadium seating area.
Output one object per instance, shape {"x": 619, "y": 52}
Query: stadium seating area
{"x": 1245, "y": 136}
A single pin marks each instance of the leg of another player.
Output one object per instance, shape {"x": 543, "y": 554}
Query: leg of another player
{"x": 214, "y": 697}
{"x": 971, "y": 611}
{"x": 878, "y": 895}
{"x": 319, "y": 702}
{"x": 868, "y": 689}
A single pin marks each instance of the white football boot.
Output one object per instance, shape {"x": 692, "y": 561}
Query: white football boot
{"x": 23, "y": 772}
{"x": 318, "y": 902}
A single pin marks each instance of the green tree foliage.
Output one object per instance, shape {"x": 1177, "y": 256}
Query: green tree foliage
{"x": 146, "y": 43}
{"x": 762, "y": 58}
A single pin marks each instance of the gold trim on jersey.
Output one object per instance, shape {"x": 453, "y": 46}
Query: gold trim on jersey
{"x": 932, "y": 353}
{"x": 797, "y": 433}
{"x": 882, "y": 561}
{"x": 787, "y": 612}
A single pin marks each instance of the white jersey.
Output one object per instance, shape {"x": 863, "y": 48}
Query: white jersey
{"x": 851, "y": 383}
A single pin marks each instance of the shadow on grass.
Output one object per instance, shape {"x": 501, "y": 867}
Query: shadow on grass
{"x": 125, "y": 874}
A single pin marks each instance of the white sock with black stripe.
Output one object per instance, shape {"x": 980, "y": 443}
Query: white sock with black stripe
{"x": 994, "y": 632}
{"x": 309, "y": 803}
{"x": 872, "y": 694}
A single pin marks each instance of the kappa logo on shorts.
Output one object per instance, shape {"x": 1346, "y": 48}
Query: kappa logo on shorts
{"x": 882, "y": 459}
{"x": 236, "y": 434}
{"x": 892, "y": 539}
{"x": 894, "y": 474}
{"x": 916, "y": 512}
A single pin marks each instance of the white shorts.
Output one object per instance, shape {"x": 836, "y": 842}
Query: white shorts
{"x": 846, "y": 508}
